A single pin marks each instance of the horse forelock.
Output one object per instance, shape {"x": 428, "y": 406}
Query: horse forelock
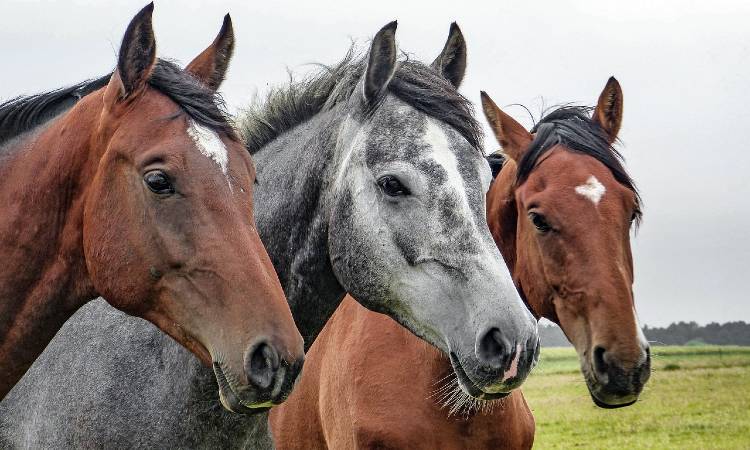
{"x": 573, "y": 128}
{"x": 205, "y": 106}
{"x": 414, "y": 83}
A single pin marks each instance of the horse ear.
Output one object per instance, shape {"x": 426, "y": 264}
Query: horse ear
{"x": 210, "y": 67}
{"x": 511, "y": 135}
{"x": 451, "y": 63}
{"x": 381, "y": 63}
{"x": 608, "y": 112}
{"x": 137, "y": 56}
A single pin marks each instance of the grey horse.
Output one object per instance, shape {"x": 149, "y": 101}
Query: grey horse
{"x": 370, "y": 181}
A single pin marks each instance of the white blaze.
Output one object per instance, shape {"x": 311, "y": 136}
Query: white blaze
{"x": 592, "y": 190}
{"x": 443, "y": 155}
{"x": 209, "y": 144}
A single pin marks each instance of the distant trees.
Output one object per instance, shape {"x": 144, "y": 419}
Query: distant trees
{"x": 680, "y": 333}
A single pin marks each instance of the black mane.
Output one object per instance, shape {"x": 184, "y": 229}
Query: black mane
{"x": 572, "y": 127}
{"x": 22, "y": 114}
{"x": 415, "y": 83}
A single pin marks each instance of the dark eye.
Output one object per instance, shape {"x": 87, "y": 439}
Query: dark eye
{"x": 391, "y": 186}
{"x": 158, "y": 182}
{"x": 539, "y": 222}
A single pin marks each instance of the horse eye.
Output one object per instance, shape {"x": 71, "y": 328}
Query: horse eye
{"x": 158, "y": 182}
{"x": 392, "y": 187}
{"x": 540, "y": 222}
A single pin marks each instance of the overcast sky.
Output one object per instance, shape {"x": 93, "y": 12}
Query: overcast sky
{"x": 684, "y": 67}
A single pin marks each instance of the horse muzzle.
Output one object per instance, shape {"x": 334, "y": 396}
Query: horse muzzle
{"x": 270, "y": 380}
{"x": 611, "y": 385}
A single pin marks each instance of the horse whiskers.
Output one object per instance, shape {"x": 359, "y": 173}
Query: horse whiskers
{"x": 450, "y": 396}
{"x": 448, "y": 375}
{"x": 441, "y": 394}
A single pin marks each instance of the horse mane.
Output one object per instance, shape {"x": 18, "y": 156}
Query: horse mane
{"x": 415, "y": 83}
{"x": 200, "y": 103}
{"x": 21, "y": 114}
{"x": 572, "y": 127}
{"x": 24, "y": 113}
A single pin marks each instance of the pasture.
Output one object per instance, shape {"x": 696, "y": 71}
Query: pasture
{"x": 697, "y": 398}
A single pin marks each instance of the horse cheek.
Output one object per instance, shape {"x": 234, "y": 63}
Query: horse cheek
{"x": 113, "y": 234}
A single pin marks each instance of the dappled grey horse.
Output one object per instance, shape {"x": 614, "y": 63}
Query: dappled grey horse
{"x": 370, "y": 181}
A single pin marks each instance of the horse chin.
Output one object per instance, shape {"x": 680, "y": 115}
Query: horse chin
{"x": 468, "y": 386}
{"x": 610, "y": 402}
{"x": 231, "y": 401}
{"x": 604, "y": 405}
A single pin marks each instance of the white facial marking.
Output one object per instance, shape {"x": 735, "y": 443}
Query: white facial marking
{"x": 492, "y": 259}
{"x": 592, "y": 190}
{"x": 209, "y": 144}
{"x": 443, "y": 155}
{"x": 513, "y": 369}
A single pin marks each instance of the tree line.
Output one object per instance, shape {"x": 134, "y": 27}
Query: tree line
{"x": 680, "y": 333}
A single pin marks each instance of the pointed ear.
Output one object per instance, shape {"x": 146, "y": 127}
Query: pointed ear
{"x": 511, "y": 135}
{"x": 210, "y": 67}
{"x": 451, "y": 63}
{"x": 136, "y": 59}
{"x": 381, "y": 63}
{"x": 608, "y": 112}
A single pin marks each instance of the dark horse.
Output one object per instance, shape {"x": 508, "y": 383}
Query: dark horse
{"x": 560, "y": 210}
{"x": 135, "y": 187}
{"x": 370, "y": 181}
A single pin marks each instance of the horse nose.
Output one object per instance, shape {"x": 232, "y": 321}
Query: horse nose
{"x": 610, "y": 373}
{"x": 273, "y": 376}
{"x": 493, "y": 349}
{"x": 262, "y": 365}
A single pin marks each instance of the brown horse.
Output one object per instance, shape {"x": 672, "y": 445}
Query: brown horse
{"x": 560, "y": 210}
{"x": 141, "y": 193}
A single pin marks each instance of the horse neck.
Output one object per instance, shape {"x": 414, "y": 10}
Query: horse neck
{"x": 45, "y": 278}
{"x": 292, "y": 210}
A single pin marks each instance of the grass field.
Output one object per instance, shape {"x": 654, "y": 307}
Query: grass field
{"x": 697, "y": 398}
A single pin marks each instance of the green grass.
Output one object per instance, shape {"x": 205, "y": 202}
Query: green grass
{"x": 698, "y": 398}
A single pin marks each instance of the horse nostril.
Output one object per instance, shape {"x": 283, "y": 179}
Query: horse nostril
{"x": 261, "y": 365}
{"x": 492, "y": 348}
{"x": 600, "y": 365}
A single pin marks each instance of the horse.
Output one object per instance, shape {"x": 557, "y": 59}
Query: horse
{"x": 140, "y": 192}
{"x": 371, "y": 181}
{"x": 560, "y": 210}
